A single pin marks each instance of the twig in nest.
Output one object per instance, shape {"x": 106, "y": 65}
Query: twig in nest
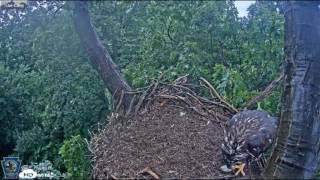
{"x": 120, "y": 101}
{"x": 219, "y": 117}
{"x": 130, "y": 106}
{"x": 181, "y": 80}
{"x": 197, "y": 111}
{"x": 195, "y": 97}
{"x": 88, "y": 145}
{"x": 187, "y": 91}
{"x": 216, "y": 104}
{"x": 149, "y": 171}
{"x": 151, "y": 93}
{"x": 217, "y": 94}
{"x": 267, "y": 91}
{"x": 174, "y": 97}
{"x": 176, "y": 106}
{"x": 135, "y": 92}
{"x": 142, "y": 97}
{"x": 184, "y": 87}
{"x": 113, "y": 177}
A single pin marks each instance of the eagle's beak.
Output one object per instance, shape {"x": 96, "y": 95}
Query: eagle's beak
{"x": 238, "y": 167}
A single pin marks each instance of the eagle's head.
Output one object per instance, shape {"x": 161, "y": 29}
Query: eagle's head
{"x": 247, "y": 136}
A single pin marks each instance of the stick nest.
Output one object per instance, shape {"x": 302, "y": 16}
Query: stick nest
{"x": 168, "y": 131}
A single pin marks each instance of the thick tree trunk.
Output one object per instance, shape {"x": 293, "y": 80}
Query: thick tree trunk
{"x": 296, "y": 154}
{"x": 99, "y": 56}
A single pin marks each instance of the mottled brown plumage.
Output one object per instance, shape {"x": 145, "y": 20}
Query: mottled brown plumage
{"x": 247, "y": 136}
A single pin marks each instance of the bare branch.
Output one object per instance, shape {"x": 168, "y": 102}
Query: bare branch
{"x": 216, "y": 94}
{"x": 266, "y": 92}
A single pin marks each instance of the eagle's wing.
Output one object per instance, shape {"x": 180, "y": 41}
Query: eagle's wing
{"x": 251, "y": 130}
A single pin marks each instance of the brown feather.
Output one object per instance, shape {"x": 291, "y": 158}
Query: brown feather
{"x": 248, "y": 135}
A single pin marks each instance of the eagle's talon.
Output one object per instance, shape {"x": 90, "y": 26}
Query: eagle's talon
{"x": 247, "y": 135}
{"x": 239, "y": 168}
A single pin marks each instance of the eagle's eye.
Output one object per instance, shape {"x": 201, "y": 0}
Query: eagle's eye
{"x": 254, "y": 149}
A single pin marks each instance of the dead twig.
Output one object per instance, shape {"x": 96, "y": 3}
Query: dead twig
{"x": 197, "y": 111}
{"x": 119, "y": 102}
{"x": 141, "y": 100}
{"x": 267, "y": 91}
{"x": 175, "y": 97}
{"x": 216, "y": 94}
{"x": 150, "y": 94}
{"x": 185, "y": 88}
{"x": 195, "y": 98}
{"x": 113, "y": 177}
{"x": 130, "y": 106}
{"x": 149, "y": 171}
{"x": 213, "y": 90}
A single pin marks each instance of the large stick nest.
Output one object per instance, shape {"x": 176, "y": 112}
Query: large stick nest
{"x": 168, "y": 131}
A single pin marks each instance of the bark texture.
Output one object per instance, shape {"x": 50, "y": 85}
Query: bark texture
{"x": 296, "y": 154}
{"x": 99, "y": 56}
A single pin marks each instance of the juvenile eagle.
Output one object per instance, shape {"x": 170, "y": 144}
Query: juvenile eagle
{"x": 247, "y": 136}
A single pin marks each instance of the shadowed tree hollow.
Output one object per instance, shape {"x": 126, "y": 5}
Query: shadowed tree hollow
{"x": 297, "y": 146}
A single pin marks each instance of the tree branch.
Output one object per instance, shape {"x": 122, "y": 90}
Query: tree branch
{"x": 216, "y": 94}
{"x": 99, "y": 56}
{"x": 266, "y": 92}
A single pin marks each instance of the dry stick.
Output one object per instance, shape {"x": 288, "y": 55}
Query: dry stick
{"x": 196, "y": 111}
{"x": 120, "y": 101}
{"x": 174, "y": 97}
{"x": 195, "y": 98}
{"x": 130, "y": 106}
{"x": 149, "y": 95}
{"x": 264, "y": 93}
{"x": 113, "y": 177}
{"x": 217, "y": 94}
{"x": 213, "y": 103}
{"x": 88, "y": 145}
{"x": 217, "y": 115}
{"x": 199, "y": 98}
{"x": 183, "y": 100}
{"x": 135, "y": 92}
{"x": 141, "y": 99}
{"x": 184, "y": 87}
{"x": 149, "y": 171}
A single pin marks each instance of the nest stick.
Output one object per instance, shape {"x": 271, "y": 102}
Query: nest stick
{"x": 130, "y": 106}
{"x": 213, "y": 90}
{"x": 120, "y": 101}
{"x": 141, "y": 100}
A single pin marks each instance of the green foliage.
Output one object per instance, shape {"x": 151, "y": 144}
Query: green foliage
{"x": 48, "y": 90}
{"x": 230, "y": 83}
{"x": 196, "y": 38}
{"x": 73, "y": 153}
{"x": 13, "y": 113}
